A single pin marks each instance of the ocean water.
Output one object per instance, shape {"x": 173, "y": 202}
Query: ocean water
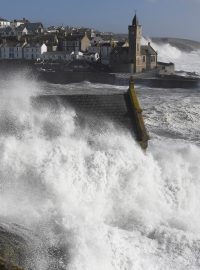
{"x": 89, "y": 200}
{"x": 184, "y": 61}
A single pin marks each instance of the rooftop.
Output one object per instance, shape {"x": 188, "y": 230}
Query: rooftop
{"x": 3, "y": 20}
{"x": 147, "y": 49}
{"x": 135, "y": 20}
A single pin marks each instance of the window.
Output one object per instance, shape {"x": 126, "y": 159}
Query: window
{"x": 144, "y": 58}
{"x": 11, "y": 55}
{"x": 153, "y": 59}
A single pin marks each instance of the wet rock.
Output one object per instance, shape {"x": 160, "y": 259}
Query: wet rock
{"x": 13, "y": 250}
{"x": 4, "y": 265}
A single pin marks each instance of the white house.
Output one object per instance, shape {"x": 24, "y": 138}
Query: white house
{"x": 21, "y": 31}
{"x": 34, "y": 51}
{"x": 4, "y": 23}
{"x": 18, "y": 51}
{"x": 11, "y": 50}
{"x": 4, "y": 51}
{"x": 16, "y": 23}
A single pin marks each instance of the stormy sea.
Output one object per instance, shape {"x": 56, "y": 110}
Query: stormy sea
{"x": 88, "y": 198}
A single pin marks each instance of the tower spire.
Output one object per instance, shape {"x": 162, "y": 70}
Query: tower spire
{"x": 135, "y": 19}
{"x": 135, "y": 34}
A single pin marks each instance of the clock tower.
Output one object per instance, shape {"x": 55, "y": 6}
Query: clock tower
{"x": 135, "y": 35}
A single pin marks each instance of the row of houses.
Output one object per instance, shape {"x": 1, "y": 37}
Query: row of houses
{"x": 60, "y": 41}
{"x": 22, "y": 39}
{"x": 38, "y": 51}
{"x": 27, "y": 51}
{"x": 22, "y": 30}
{"x": 28, "y": 28}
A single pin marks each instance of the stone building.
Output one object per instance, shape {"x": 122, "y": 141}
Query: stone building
{"x": 135, "y": 36}
{"x": 140, "y": 57}
{"x": 149, "y": 57}
{"x": 166, "y": 68}
{"x": 75, "y": 43}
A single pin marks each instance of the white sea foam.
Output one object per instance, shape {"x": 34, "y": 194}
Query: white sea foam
{"x": 184, "y": 61}
{"x": 98, "y": 197}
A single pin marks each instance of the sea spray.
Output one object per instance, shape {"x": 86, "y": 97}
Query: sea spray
{"x": 95, "y": 200}
{"x": 184, "y": 61}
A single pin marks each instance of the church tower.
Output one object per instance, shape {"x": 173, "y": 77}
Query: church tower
{"x": 135, "y": 35}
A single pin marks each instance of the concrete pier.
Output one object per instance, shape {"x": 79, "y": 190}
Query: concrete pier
{"x": 93, "y": 109}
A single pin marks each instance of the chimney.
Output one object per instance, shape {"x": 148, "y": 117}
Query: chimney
{"x": 25, "y": 41}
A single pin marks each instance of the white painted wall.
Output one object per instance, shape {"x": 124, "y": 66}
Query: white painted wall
{"x": 4, "y": 24}
{"x": 4, "y": 52}
{"x": 18, "y": 52}
{"x": 34, "y": 52}
{"x": 22, "y": 52}
{"x": 15, "y": 24}
{"x": 14, "y": 52}
{"x": 24, "y": 32}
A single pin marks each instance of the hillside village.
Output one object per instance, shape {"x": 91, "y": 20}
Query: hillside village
{"x": 22, "y": 40}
